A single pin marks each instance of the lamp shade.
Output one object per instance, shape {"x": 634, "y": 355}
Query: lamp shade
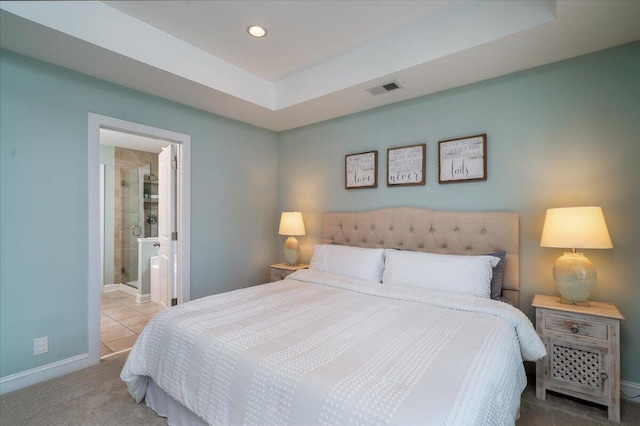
{"x": 291, "y": 224}
{"x": 575, "y": 227}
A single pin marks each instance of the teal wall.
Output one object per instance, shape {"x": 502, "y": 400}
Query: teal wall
{"x": 106, "y": 158}
{"x": 44, "y": 201}
{"x": 564, "y": 134}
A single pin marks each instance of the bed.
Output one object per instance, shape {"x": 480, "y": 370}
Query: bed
{"x": 394, "y": 323}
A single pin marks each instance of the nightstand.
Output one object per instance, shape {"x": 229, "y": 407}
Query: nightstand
{"x": 280, "y": 271}
{"x": 583, "y": 351}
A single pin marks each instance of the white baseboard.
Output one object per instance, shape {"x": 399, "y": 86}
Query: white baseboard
{"x": 40, "y": 374}
{"x": 110, "y": 287}
{"x": 122, "y": 287}
{"x": 630, "y": 389}
{"x": 128, "y": 289}
{"x": 143, "y": 298}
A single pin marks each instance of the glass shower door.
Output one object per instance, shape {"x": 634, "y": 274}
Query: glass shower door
{"x": 132, "y": 228}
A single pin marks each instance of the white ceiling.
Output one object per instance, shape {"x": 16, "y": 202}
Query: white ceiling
{"x": 318, "y": 58}
{"x": 301, "y": 33}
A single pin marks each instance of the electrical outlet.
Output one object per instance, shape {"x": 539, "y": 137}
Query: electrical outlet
{"x": 41, "y": 345}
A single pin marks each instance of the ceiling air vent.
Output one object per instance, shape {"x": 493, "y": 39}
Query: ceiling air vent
{"x": 384, "y": 88}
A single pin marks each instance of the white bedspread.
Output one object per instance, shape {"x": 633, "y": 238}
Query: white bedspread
{"x": 321, "y": 349}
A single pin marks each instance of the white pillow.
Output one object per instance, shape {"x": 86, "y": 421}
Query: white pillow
{"x": 460, "y": 274}
{"x": 353, "y": 262}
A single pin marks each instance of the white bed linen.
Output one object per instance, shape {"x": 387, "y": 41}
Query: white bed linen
{"x": 317, "y": 348}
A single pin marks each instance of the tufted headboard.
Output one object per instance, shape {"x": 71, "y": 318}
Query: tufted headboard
{"x": 433, "y": 231}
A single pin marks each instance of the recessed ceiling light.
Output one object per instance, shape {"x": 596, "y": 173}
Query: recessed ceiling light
{"x": 256, "y": 31}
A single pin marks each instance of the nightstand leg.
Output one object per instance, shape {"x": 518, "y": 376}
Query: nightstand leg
{"x": 541, "y": 391}
{"x": 614, "y": 412}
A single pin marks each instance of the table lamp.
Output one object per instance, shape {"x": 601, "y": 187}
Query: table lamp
{"x": 291, "y": 224}
{"x": 575, "y": 227}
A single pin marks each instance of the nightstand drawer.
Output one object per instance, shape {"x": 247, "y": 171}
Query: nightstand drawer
{"x": 279, "y": 275}
{"x": 576, "y": 327}
{"x": 280, "y": 271}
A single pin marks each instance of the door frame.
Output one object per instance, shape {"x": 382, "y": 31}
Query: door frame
{"x": 183, "y": 145}
{"x": 102, "y": 177}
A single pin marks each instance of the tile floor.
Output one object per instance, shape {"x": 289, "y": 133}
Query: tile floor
{"x": 121, "y": 320}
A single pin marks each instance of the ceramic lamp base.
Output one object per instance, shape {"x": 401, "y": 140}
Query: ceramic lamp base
{"x": 575, "y": 276}
{"x": 291, "y": 247}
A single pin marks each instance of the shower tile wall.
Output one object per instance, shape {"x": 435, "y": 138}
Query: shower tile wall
{"x": 125, "y": 160}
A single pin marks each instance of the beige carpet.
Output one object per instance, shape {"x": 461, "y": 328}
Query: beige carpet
{"x": 93, "y": 396}
{"x": 96, "y": 396}
{"x": 559, "y": 410}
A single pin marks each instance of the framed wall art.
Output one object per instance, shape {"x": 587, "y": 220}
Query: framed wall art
{"x": 406, "y": 165}
{"x": 462, "y": 159}
{"x": 361, "y": 170}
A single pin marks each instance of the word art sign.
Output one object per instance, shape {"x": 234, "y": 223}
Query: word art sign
{"x": 406, "y": 165}
{"x": 462, "y": 160}
{"x": 361, "y": 170}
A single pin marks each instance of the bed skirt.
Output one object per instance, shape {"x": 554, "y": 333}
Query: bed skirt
{"x": 165, "y": 406}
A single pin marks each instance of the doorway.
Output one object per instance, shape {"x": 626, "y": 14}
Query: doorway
{"x": 180, "y": 292}
{"x": 130, "y": 237}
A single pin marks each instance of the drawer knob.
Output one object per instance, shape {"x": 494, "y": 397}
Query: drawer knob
{"x": 604, "y": 376}
{"x": 575, "y": 328}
